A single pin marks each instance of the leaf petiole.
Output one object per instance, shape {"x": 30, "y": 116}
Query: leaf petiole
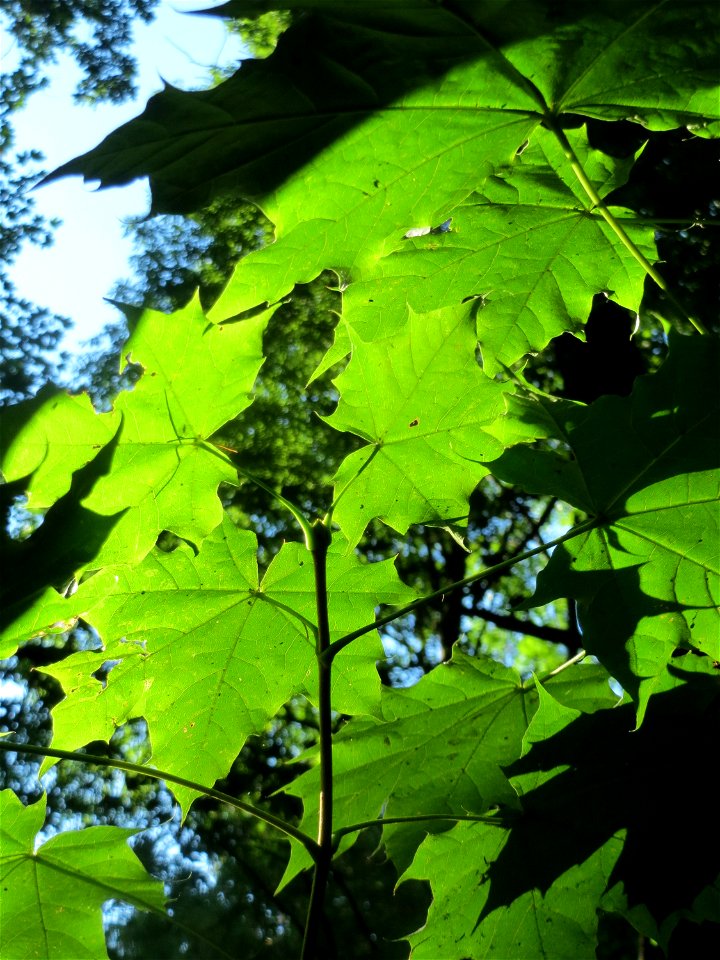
{"x": 340, "y": 644}
{"x": 576, "y": 658}
{"x": 494, "y": 821}
{"x": 228, "y": 457}
{"x": 615, "y": 226}
{"x": 310, "y": 845}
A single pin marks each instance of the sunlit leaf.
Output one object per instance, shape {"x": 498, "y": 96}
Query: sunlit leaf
{"x": 422, "y": 402}
{"x": 439, "y": 747}
{"x": 53, "y": 893}
{"x": 208, "y": 654}
{"x": 164, "y": 475}
{"x": 648, "y": 578}
{"x": 439, "y": 158}
{"x": 560, "y": 923}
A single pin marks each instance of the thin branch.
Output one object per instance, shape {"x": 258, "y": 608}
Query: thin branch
{"x": 340, "y": 644}
{"x": 259, "y": 879}
{"x": 319, "y": 543}
{"x": 533, "y": 532}
{"x": 537, "y": 525}
{"x": 40, "y": 656}
{"x": 143, "y": 771}
{"x": 527, "y": 627}
{"x": 360, "y": 921}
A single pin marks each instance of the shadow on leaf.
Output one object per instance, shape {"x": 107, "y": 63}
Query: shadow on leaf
{"x": 597, "y": 777}
{"x": 69, "y": 537}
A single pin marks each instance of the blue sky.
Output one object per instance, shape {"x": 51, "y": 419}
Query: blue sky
{"x": 90, "y": 254}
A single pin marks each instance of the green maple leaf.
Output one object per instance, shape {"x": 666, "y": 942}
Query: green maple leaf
{"x": 44, "y": 440}
{"x": 164, "y": 476}
{"x": 645, "y": 466}
{"x": 421, "y": 151}
{"x": 594, "y": 795}
{"x": 526, "y": 247}
{"x": 53, "y": 894}
{"x": 325, "y": 78}
{"x": 626, "y": 782}
{"x": 401, "y": 133}
{"x": 423, "y": 402}
{"x": 438, "y": 747}
{"x": 68, "y": 538}
{"x": 560, "y": 923}
{"x": 208, "y": 654}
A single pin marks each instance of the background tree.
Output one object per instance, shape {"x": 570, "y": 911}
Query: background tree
{"x": 97, "y": 35}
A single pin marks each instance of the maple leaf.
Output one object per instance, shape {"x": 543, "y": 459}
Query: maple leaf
{"x": 647, "y": 579}
{"x": 435, "y": 156}
{"x": 164, "y": 475}
{"x": 208, "y": 653}
{"x": 423, "y": 402}
{"x": 53, "y": 894}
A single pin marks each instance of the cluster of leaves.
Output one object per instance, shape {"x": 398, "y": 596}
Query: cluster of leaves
{"x": 28, "y": 332}
{"x": 95, "y": 33}
{"x": 441, "y": 166}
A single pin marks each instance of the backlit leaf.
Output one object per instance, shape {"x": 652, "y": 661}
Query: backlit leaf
{"x": 439, "y": 747}
{"x": 560, "y": 923}
{"x": 208, "y": 654}
{"x": 646, "y": 466}
{"x": 627, "y": 782}
{"x": 196, "y": 377}
{"x": 422, "y": 402}
{"x": 53, "y": 893}
{"x": 397, "y": 115}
